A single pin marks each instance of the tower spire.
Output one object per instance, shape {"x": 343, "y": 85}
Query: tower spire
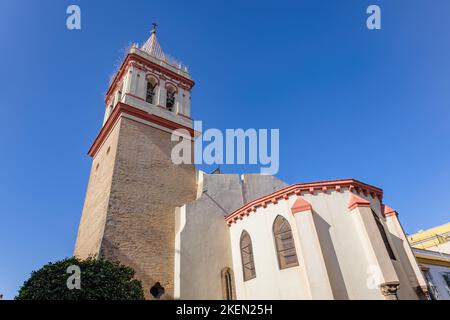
{"x": 154, "y": 27}
{"x": 152, "y": 47}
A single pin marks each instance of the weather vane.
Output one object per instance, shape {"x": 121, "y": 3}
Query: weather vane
{"x": 155, "y": 26}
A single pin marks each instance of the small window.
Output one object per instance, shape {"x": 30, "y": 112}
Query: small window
{"x": 434, "y": 293}
{"x": 248, "y": 264}
{"x": 284, "y": 243}
{"x": 227, "y": 284}
{"x": 384, "y": 236}
{"x": 170, "y": 98}
{"x": 446, "y": 276}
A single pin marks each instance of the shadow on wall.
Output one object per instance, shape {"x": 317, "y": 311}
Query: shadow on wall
{"x": 331, "y": 261}
{"x": 205, "y": 242}
{"x": 401, "y": 256}
{"x": 111, "y": 252}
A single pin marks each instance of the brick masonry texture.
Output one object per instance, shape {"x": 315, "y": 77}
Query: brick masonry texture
{"x": 90, "y": 231}
{"x": 139, "y": 221}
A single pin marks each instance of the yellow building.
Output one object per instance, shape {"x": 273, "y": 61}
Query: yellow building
{"x": 432, "y": 250}
{"x": 434, "y": 239}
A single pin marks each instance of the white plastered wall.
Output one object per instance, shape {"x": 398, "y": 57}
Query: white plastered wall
{"x": 270, "y": 281}
{"x": 345, "y": 257}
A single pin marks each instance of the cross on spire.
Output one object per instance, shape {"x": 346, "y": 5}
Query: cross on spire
{"x": 152, "y": 47}
{"x": 155, "y": 26}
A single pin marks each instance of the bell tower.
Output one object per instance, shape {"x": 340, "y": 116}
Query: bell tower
{"x": 134, "y": 187}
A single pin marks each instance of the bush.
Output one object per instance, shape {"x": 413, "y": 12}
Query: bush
{"x": 100, "y": 280}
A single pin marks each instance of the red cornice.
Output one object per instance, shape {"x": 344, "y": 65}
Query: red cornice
{"x": 135, "y": 96}
{"x": 296, "y": 189}
{"x": 300, "y": 205}
{"x": 356, "y": 202}
{"x": 388, "y": 211}
{"x": 125, "y": 108}
{"x": 136, "y": 58}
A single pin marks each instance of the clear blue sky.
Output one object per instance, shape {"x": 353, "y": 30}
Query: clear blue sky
{"x": 349, "y": 102}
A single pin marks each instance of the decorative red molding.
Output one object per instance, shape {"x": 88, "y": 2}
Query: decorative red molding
{"x": 158, "y": 105}
{"x": 356, "y": 201}
{"x": 300, "y": 205}
{"x": 297, "y": 189}
{"x": 388, "y": 211}
{"x": 135, "y": 96}
{"x": 185, "y": 116}
{"x": 170, "y": 83}
{"x": 152, "y": 75}
{"x": 133, "y": 57}
{"x": 125, "y": 108}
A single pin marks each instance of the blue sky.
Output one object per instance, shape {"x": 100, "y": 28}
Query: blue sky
{"x": 349, "y": 102}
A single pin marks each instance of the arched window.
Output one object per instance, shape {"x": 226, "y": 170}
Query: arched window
{"x": 384, "y": 236}
{"x": 248, "y": 265}
{"x": 151, "y": 86}
{"x": 227, "y": 284}
{"x": 284, "y": 243}
{"x": 119, "y": 93}
{"x": 170, "y": 98}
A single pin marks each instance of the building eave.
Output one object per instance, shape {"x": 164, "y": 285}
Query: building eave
{"x": 297, "y": 189}
{"x": 133, "y": 56}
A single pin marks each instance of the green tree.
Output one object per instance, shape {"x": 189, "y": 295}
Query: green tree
{"x": 99, "y": 280}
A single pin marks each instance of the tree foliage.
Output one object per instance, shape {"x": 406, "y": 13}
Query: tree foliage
{"x": 99, "y": 280}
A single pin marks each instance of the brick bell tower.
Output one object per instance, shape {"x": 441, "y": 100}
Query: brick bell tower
{"x": 134, "y": 187}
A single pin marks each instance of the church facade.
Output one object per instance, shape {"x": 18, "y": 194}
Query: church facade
{"x": 192, "y": 235}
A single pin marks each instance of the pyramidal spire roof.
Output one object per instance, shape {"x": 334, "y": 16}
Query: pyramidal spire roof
{"x": 153, "y": 48}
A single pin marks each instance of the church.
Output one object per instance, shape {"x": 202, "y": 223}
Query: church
{"x": 193, "y": 235}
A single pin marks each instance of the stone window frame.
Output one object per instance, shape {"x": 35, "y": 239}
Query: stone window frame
{"x": 247, "y": 258}
{"x": 228, "y": 288}
{"x": 171, "y": 95}
{"x": 153, "y": 82}
{"x": 284, "y": 243}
